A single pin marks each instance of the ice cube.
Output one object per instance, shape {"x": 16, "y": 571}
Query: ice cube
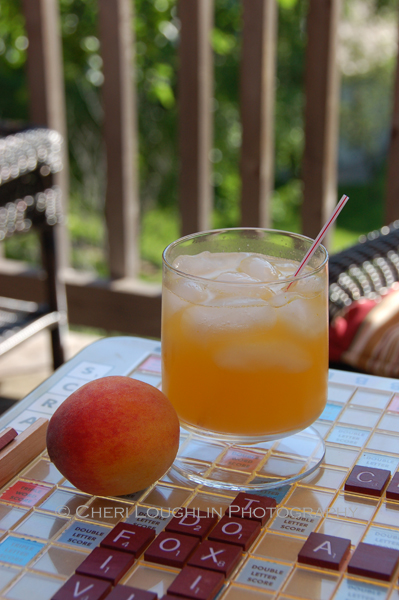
{"x": 285, "y": 267}
{"x": 205, "y": 321}
{"x": 171, "y": 303}
{"x": 259, "y": 268}
{"x": 283, "y": 297}
{"x": 235, "y": 277}
{"x": 310, "y": 286}
{"x": 208, "y": 264}
{"x": 304, "y": 316}
{"x": 288, "y": 356}
{"x": 306, "y": 288}
{"x": 191, "y": 291}
{"x": 247, "y": 292}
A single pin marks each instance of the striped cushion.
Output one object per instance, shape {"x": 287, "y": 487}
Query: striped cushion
{"x": 366, "y": 336}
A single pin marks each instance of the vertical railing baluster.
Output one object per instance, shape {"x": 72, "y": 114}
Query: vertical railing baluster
{"x": 195, "y": 90}
{"x": 321, "y": 115}
{"x": 257, "y": 110}
{"x": 120, "y": 136}
{"x": 45, "y": 76}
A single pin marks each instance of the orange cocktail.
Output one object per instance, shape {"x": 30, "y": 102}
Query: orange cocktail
{"x": 244, "y": 350}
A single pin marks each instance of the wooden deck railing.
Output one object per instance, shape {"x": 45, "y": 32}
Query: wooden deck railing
{"x": 123, "y": 303}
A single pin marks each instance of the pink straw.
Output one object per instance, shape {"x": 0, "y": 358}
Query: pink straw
{"x": 321, "y": 235}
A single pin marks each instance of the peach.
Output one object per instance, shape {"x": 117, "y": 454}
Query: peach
{"x": 113, "y": 436}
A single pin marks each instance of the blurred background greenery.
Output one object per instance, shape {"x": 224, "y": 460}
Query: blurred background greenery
{"x": 367, "y": 56}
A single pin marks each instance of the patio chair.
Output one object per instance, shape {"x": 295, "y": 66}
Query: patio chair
{"x": 29, "y": 201}
{"x": 364, "y": 304}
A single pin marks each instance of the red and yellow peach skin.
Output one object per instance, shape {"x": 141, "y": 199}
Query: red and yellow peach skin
{"x": 113, "y": 436}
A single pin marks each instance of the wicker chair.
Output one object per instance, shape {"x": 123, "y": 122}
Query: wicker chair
{"x": 366, "y": 270}
{"x": 30, "y": 201}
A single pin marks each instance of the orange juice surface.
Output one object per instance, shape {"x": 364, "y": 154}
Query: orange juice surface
{"x": 241, "y": 357}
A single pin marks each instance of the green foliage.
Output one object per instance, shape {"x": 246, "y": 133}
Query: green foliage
{"x": 13, "y": 100}
{"x": 365, "y": 113}
{"x": 159, "y": 227}
{"x": 25, "y": 248}
{"x": 287, "y": 3}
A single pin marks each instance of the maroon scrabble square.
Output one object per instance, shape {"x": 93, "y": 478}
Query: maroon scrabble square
{"x": 125, "y": 592}
{"x": 241, "y": 532}
{"x": 199, "y": 584}
{"x": 393, "y": 488}
{"x": 326, "y": 551}
{"x": 129, "y": 538}
{"x": 79, "y": 586}
{"x": 172, "y": 549}
{"x": 196, "y": 523}
{"x": 251, "y": 506}
{"x": 7, "y": 436}
{"x": 373, "y": 561}
{"x": 367, "y": 480}
{"x": 216, "y": 556}
{"x": 105, "y": 563}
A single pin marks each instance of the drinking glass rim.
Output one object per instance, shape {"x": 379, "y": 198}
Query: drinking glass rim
{"x": 254, "y": 283}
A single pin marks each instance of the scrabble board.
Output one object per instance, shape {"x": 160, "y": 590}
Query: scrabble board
{"x": 332, "y": 535}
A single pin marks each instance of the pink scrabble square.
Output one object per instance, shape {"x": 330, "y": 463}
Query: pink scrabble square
{"x": 241, "y": 460}
{"x": 152, "y": 364}
{"x": 394, "y": 404}
{"x": 27, "y": 494}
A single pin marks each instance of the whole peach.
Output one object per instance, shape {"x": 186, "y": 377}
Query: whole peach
{"x": 113, "y": 436}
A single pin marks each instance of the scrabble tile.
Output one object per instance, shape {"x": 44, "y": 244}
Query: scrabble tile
{"x": 326, "y": 551}
{"x": 196, "y": 583}
{"x": 241, "y": 532}
{"x": 25, "y": 447}
{"x": 7, "y": 436}
{"x": 197, "y": 523}
{"x": 172, "y": 549}
{"x": 125, "y": 592}
{"x": 367, "y": 480}
{"x": 129, "y": 538}
{"x": 393, "y": 488}
{"x": 252, "y": 506}
{"x": 216, "y": 556}
{"x": 374, "y": 561}
{"x": 105, "y": 563}
{"x": 79, "y": 586}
